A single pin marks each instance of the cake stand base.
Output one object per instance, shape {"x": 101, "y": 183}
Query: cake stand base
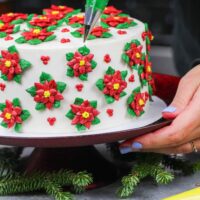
{"x": 76, "y": 159}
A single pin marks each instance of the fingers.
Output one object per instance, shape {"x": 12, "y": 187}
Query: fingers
{"x": 187, "y": 88}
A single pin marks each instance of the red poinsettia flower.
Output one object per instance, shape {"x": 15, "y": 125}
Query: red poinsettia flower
{"x": 47, "y": 93}
{"x": 43, "y": 21}
{"x": 113, "y": 21}
{"x": 9, "y": 17}
{"x": 6, "y": 28}
{"x": 81, "y": 64}
{"x": 97, "y": 31}
{"x": 139, "y": 103}
{"x": 11, "y": 114}
{"x": 34, "y": 33}
{"x": 135, "y": 54}
{"x": 54, "y": 14}
{"x": 77, "y": 19}
{"x": 84, "y": 114}
{"x": 111, "y": 10}
{"x": 63, "y": 9}
{"x": 114, "y": 85}
{"x": 9, "y": 64}
{"x": 147, "y": 74}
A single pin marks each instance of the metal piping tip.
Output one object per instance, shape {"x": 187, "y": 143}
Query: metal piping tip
{"x": 86, "y": 32}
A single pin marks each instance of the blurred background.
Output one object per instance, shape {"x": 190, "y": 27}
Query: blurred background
{"x": 159, "y": 15}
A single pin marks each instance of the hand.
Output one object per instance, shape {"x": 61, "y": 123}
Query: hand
{"x": 184, "y": 132}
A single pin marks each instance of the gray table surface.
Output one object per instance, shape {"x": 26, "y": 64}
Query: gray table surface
{"x": 146, "y": 190}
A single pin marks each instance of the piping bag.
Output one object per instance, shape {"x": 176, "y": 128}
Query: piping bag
{"x": 93, "y": 11}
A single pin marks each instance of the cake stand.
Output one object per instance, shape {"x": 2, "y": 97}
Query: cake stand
{"x": 78, "y": 153}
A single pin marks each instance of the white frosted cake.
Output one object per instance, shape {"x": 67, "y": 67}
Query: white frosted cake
{"x": 51, "y": 82}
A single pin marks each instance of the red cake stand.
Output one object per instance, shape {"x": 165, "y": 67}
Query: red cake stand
{"x": 78, "y": 153}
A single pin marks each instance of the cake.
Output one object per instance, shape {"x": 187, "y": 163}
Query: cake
{"x": 52, "y": 82}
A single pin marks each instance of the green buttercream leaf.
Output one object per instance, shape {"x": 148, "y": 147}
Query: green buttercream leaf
{"x": 50, "y": 38}
{"x": 2, "y": 106}
{"x": 135, "y": 67}
{"x": 127, "y": 46}
{"x": 137, "y": 42}
{"x": 24, "y": 64}
{"x": 124, "y": 74}
{"x": 104, "y": 16}
{"x": 148, "y": 41}
{"x": 25, "y": 115}
{"x": 91, "y": 37}
{"x": 12, "y": 49}
{"x": 123, "y": 94}
{"x": 18, "y": 78}
{"x": 130, "y": 99}
{"x": 69, "y": 56}
{"x": 96, "y": 121}
{"x": 83, "y": 77}
{"x": 30, "y": 17}
{"x": 18, "y": 127}
{"x": 125, "y": 58}
{"x": 137, "y": 90}
{"x": 131, "y": 112}
{"x": 109, "y": 99}
{"x": 146, "y": 26}
{"x": 70, "y": 72}
{"x": 94, "y": 64}
{"x": 140, "y": 69}
{"x": 51, "y": 28}
{"x": 2, "y": 34}
{"x": 57, "y": 104}
{"x": 144, "y": 82}
{"x": 20, "y": 40}
{"x": 110, "y": 71}
{"x": 60, "y": 23}
{"x": 93, "y": 104}
{"x": 32, "y": 91}
{"x": 70, "y": 115}
{"x": 150, "y": 90}
{"x": 16, "y": 102}
{"x": 78, "y": 101}
{"x": 100, "y": 84}
{"x": 84, "y": 50}
{"x": 123, "y": 15}
{"x": 34, "y": 41}
{"x": 40, "y": 106}
{"x": 76, "y": 34}
{"x": 61, "y": 86}
{"x": 104, "y": 25}
{"x": 45, "y": 77}
{"x": 17, "y": 21}
{"x": 80, "y": 127}
{"x": 4, "y": 77}
{"x": 107, "y": 35}
{"x": 123, "y": 26}
{"x": 3, "y": 124}
{"x": 16, "y": 29}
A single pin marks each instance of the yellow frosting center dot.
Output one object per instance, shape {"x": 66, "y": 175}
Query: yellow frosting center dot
{"x": 86, "y": 115}
{"x": 10, "y": 14}
{"x": 47, "y": 94}
{"x": 55, "y": 12}
{"x": 149, "y": 68}
{"x": 80, "y": 16}
{"x": 82, "y": 63}
{"x": 61, "y": 7}
{"x": 1, "y": 25}
{"x": 43, "y": 17}
{"x": 36, "y": 31}
{"x": 116, "y": 18}
{"x": 137, "y": 55}
{"x": 116, "y": 86}
{"x": 8, "y": 63}
{"x": 141, "y": 102}
{"x": 8, "y": 116}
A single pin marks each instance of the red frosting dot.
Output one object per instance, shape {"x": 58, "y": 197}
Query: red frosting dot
{"x": 8, "y": 38}
{"x": 79, "y": 87}
{"x": 65, "y": 30}
{"x": 131, "y": 78}
{"x": 51, "y": 120}
{"x": 110, "y": 112}
{"x": 65, "y": 40}
{"x": 107, "y": 58}
{"x": 45, "y": 59}
{"x": 120, "y": 32}
{"x": 2, "y": 86}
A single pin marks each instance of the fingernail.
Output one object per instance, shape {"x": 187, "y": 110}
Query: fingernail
{"x": 125, "y": 150}
{"x": 170, "y": 109}
{"x": 137, "y": 145}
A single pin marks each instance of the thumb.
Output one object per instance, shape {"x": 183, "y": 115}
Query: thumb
{"x": 184, "y": 94}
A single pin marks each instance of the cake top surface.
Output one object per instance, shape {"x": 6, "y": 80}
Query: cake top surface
{"x": 62, "y": 27}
